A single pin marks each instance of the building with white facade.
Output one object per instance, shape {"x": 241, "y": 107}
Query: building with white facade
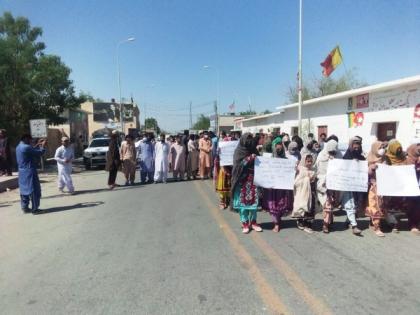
{"x": 382, "y": 111}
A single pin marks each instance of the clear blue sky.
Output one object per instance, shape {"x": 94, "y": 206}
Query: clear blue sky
{"x": 254, "y": 44}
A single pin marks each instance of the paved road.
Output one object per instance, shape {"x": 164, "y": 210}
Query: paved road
{"x": 167, "y": 249}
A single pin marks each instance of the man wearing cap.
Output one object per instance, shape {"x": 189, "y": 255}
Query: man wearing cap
{"x": 64, "y": 155}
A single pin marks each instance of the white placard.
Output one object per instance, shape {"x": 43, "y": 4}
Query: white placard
{"x": 397, "y": 180}
{"x": 347, "y": 175}
{"x": 274, "y": 173}
{"x": 227, "y": 148}
{"x": 38, "y": 128}
{"x": 267, "y": 154}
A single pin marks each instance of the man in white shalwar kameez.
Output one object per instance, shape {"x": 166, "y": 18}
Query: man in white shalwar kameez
{"x": 64, "y": 156}
{"x": 161, "y": 160}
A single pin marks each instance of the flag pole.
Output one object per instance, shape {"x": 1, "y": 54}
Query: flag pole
{"x": 300, "y": 71}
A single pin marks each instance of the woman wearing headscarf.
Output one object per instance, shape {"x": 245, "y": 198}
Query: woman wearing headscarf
{"x": 375, "y": 209}
{"x": 293, "y": 152}
{"x": 299, "y": 142}
{"x": 413, "y": 157}
{"x": 352, "y": 200}
{"x": 285, "y": 139}
{"x": 304, "y": 195}
{"x": 329, "y": 199}
{"x": 244, "y": 193}
{"x": 223, "y": 182}
{"x": 268, "y": 144}
{"x": 395, "y": 206}
{"x": 277, "y": 202}
{"x": 308, "y": 149}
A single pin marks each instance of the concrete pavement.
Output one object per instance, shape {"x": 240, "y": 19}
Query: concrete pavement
{"x": 167, "y": 249}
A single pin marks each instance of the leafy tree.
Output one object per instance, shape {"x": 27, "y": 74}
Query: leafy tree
{"x": 151, "y": 123}
{"x": 248, "y": 113}
{"x": 267, "y": 111}
{"x": 202, "y": 123}
{"x": 33, "y": 84}
{"x": 88, "y": 97}
{"x": 325, "y": 86}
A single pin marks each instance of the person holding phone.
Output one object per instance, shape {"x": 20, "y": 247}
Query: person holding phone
{"x": 29, "y": 184}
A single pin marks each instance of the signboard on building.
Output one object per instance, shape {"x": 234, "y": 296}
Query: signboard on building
{"x": 110, "y": 112}
{"x": 400, "y": 98}
{"x": 38, "y": 128}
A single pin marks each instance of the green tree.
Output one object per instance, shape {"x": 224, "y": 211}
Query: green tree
{"x": 151, "y": 123}
{"x": 267, "y": 111}
{"x": 326, "y": 85}
{"x": 33, "y": 84}
{"x": 202, "y": 123}
{"x": 88, "y": 97}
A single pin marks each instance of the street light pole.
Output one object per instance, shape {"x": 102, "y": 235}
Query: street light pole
{"x": 119, "y": 80}
{"x": 300, "y": 72}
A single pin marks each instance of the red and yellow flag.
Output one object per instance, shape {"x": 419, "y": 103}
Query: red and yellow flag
{"x": 332, "y": 61}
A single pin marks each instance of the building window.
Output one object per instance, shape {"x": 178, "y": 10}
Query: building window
{"x": 386, "y": 131}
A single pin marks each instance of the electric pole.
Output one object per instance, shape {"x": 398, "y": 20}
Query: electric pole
{"x": 190, "y": 115}
{"x": 216, "y": 118}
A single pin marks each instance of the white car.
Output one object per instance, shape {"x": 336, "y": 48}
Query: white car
{"x": 95, "y": 153}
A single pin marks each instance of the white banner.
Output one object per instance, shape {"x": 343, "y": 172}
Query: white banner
{"x": 274, "y": 173}
{"x": 227, "y": 148}
{"x": 347, "y": 175}
{"x": 397, "y": 180}
{"x": 38, "y": 128}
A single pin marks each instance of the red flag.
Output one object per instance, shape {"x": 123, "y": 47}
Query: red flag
{"x": 331, "y": 62}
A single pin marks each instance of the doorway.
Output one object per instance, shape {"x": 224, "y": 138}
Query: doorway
{"x": 386, "y": 131}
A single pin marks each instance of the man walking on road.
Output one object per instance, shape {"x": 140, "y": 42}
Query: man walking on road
{"x": 128, "y": 157}
{"x": 113, "y": 160}
{"x": 161, "y": 160}
{"x": 146, "y": 152}
{"x": 64, "y": 156}
{"x": 29, "y": 185}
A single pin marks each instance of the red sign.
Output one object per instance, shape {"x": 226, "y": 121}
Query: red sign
{"x": 417, "y": 112}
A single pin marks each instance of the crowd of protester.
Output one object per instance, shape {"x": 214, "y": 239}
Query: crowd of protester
{"x": 192, "y": 156}
{"x": 237, "y": 190}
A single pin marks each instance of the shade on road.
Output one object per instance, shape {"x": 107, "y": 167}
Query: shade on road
{"x": 168, "y": 249}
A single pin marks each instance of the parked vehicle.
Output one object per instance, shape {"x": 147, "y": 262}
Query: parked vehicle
{"x": 95, "y": 153}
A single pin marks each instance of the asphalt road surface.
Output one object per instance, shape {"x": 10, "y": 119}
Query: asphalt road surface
{"x": 168, "y": 249}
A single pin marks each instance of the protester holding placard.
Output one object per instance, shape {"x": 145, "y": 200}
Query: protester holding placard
{"x": 395, "y": 206}
{"x": 304, "y": 195}
{"x": 244, "y": 192}
{"x": 353, "y": 201}
{"x": 329, "y": 199}
{"x": 375, "y": 209}
{"x": 413, "y": 157}
{"x": 277, "y": 202}
{"x": 223, "y": 181}
{"x": 309, "y": 148}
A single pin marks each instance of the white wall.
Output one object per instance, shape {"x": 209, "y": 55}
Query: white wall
{"x": 334, "y": 115}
